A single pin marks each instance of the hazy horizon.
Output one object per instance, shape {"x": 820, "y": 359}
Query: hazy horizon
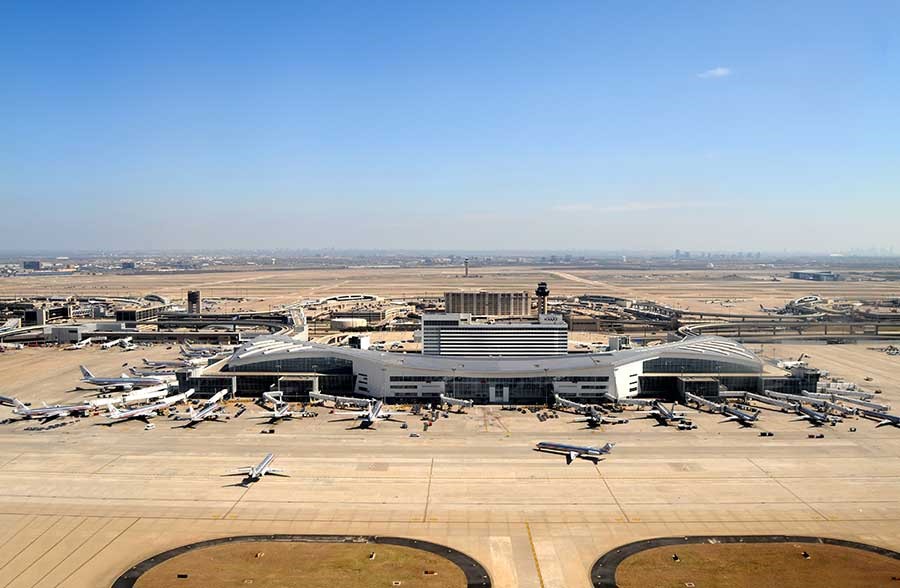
{"x": 463, "y": 127}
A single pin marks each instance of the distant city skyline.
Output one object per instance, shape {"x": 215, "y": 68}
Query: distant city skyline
{"x": 450, "y": 127}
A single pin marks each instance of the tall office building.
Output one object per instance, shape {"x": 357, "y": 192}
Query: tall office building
{"x": 488, "y": 303}
{"x": 456, "y": 334}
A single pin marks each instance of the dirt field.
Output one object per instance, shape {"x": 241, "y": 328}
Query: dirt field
{"x": 311, "y": 565}
{"x": 755, "y": 565}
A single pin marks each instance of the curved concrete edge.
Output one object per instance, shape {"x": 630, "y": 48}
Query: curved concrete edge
{"x": 476, "y": 575}
{"x": 603, "y": 572}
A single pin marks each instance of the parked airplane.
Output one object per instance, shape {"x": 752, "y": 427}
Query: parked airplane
{"x": 47, "y": 413}
{"x": 458, "y": 402}
{"x": 190, "y": 351}
{"x": 732, "y": 414}
{"x": 120, "y": 342}
{"x": 152, "y": 373}
{"x": 340, "y": 399}
{"x": 80, "y": 345}
{"x": 254, "y": 473}
{"x": 746, "y": 419}
{"x": 813, "y": 416}
{"x": 885, "y": 418}
{"x": 574, "y": 451}
{"x": 142, "y": 412}
{"x": 124, "y": 382}
{"x": 279, "y": 412}
{"x": 663, "y": 415}
{"x": 371, "y": 415}
{"x": 210, "y": 412}
{"x": 594, "y": 418}
{"x": 178, "y": 363}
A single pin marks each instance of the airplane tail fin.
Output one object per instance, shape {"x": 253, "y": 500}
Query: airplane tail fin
{"x": 86, "y": 372}
{"x": 191, "y": 412}
{"x": 113, "y": 411}
{"x": 609, "y": 446}
{"x": 18, "y": 403}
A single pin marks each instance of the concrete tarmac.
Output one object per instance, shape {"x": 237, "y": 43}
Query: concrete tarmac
{"x": 82, "y": 503}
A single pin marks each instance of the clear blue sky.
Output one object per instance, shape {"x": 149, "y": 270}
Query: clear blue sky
{"x": 450, "y": 125}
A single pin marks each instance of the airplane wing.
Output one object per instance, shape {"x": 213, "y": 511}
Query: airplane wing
{"x": 275, "y": 472}
{"x": 884, "y": 422}
{"x": 240, "y": 471}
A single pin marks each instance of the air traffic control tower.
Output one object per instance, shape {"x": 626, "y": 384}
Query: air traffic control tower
{"x": 542, "y": 292}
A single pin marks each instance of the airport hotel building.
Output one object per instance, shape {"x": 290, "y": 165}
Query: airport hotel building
{"x": 471, "y": 368}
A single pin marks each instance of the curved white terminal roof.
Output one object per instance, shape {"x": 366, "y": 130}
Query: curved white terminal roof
{"x": 275, "y": 348}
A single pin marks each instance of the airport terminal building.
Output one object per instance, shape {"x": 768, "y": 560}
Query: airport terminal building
{"x": 702, "y": 365}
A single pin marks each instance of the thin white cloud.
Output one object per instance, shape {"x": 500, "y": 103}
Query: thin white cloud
{"x": 629, "y": 206}
{"x": 716, "y": 72}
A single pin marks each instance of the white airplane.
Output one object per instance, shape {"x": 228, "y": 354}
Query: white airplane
{"x": 210, "y": 412}
{"x": 370, "y": 416}
{"x": 124, "y": 382}
{"x": 574, "y": 451}
{"x": 143, "y": 412}
{"x": 47, "y": 413}
{"x": 80, "y": 345}
{"x": 178, "y": 363}
{"x": 120, "y": 342}
{"x": 884, "y": 418}
{"x": 340, "y": 399}
{"x": 151, "y": 373}
{"x": 459, "y": 402}
{"x": 188, "y": 350}
{"x": 254, "y": 473}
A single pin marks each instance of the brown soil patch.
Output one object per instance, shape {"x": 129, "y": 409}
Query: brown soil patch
{"x": 311, "y": 565}
{"x": 751, "y": 565}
